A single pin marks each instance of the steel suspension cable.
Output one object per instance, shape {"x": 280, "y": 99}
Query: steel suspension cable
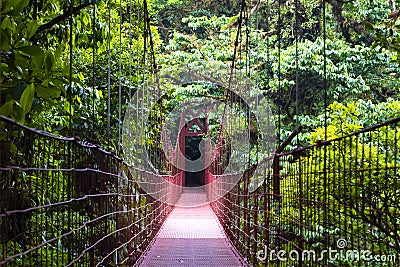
{"x": 236, "y": 45}
{"x": 130, "y": 51}
{"x": 127, "y": 152}
{"x": 257, "y": 82}
{"x": 248, "y": 53}
{"x": 109, "y": 76}
{"x": 280, "y": 220}
{"x": 93, "y": 70}
{"x": 157, "y": 112}
{"x": 71, "y": 53}
{"x": 144, "y": 78}
{"x": 296, "y": 17}
{"x": 120, "y": 77}
{"x": 299, "y": 163}
{"x": 325, "y": 174}
{"x": 146, "y": 95}
{"x": 279, "y": 72}
{"x": 325, "y": 73}
{"x": 137, "y": 70}
{"x": 228, "y": 93}
{"x": 148, "y": 30}
{"x": 247, "y": 73}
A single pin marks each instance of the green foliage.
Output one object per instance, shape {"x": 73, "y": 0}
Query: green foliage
{"x": 386, "y": 33}
{"x": 28, "y": 72}
{"x": 344, "y": 119}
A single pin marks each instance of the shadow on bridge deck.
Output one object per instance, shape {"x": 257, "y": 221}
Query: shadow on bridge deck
{"x": 192, "y": 236}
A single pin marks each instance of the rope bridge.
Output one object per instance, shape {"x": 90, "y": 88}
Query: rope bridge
{"x": 65, "y": 202}
{"x": 342, "y": 190}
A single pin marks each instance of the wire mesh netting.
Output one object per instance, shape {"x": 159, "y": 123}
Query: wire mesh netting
{"x": 330, "y": 204}
{"x": 68, "y": 203}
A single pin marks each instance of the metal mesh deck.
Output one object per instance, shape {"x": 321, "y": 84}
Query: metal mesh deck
{"x": 192, "y": 237}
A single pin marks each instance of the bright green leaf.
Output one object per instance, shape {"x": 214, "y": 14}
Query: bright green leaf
{"x": 32, "y": 50}
{"x": 47, "y": 92}
{"x": 49, "y": 62}
{"x": 5, "y": 40}
{"x": 7, "y": 108}
{"x": 369, "y": 26}
{"x": 69, "y": 109}
{"x": 13, "y": 110}
{"x": 8, "y": 5}
{"x": 18, "y": 6}
{"x": 38, "y": 61}
{"x": 31, "y": 29}
{"x": 80, "y": 76}
{"x": 27, "y": 98}
{"x": 6, "y": 24}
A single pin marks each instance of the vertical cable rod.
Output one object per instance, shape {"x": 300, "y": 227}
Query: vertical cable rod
{"x": 109, "y": 77}
{"x": 93, "y": 70}
{"x": 279, "y": 72}
{"x": 228, "y": 93}
{"x": 71, "y": 54}
{"x": 120, "y": 76}
{"x": 325, "y": 177}
{"x": 325, "y": 77}
{"x": 296, "y": 17}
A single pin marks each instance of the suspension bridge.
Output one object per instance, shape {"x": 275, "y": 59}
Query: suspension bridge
{"x": 68, "y": 202}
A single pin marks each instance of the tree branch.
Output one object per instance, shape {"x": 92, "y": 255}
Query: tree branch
{"x": 393, "y": 5}
{"x": 253, "y": 10}
{"x": 394, "y": 15}
{"x": 60, "y": 18}
{"x": 251, "y": 13}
